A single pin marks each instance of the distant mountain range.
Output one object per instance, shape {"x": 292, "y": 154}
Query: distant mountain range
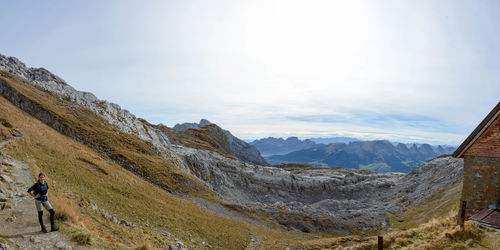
{"x": 381, "y": 156}
{"x": 279, "y": 146}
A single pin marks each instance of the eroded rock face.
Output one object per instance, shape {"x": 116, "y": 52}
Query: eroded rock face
{"x": 239, "y": 148}
{"x": 308, "y": 199}
{"x": 324, "y": 199}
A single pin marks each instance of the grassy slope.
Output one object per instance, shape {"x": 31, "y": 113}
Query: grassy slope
{"x": 78, "y": 174}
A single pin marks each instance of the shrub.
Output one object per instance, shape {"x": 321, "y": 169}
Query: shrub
{"x": 83, "y": 239}
{"x": 145, "y": 246}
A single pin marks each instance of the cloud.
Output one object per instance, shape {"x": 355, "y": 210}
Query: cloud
{"x": 413, "y": 70}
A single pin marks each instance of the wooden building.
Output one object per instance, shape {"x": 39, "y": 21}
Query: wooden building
{"x": 481, "y": 153}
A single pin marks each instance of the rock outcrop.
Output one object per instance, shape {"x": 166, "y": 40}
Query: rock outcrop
{"x": 324, "y": 199}
{"x": 239, "y": 149}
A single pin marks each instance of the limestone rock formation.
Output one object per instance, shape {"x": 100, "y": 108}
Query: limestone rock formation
{"x": 239, "y": 148}
{"x": 113, "y": 113}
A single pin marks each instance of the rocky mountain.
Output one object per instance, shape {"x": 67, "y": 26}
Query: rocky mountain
{"x": 238, "y": 148}
{"x": 328, "y": 140}
{"x": 278, "y": 146}
{"x": 381, "y": 156}
{"x": 154, "y": 176}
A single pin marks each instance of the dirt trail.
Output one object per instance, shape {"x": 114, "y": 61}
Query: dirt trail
{"x": 19, "y": 228}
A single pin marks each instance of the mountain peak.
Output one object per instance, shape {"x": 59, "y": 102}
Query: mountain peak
{"x": 204, "y": 122}
{"x": 39, "y": 75}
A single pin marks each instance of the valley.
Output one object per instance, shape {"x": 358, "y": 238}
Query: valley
{"x": 196, "y": 186}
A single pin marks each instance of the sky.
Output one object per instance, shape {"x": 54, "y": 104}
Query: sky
{"x": 408, "y": 71}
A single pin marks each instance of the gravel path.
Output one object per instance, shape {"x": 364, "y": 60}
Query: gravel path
{"x": 19, "y": 228}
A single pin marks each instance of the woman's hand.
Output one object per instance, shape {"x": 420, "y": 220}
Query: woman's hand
{"x": 36, "y": 196}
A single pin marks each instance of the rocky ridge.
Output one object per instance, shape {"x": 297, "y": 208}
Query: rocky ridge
{"x": 113, "y": 113}
{"x": 309, "y": 199}
{"x": 279, "y": 146}
{"x": 239, "y": 149}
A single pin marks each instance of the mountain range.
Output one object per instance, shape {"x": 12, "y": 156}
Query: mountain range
{"x": 380, "y": 155}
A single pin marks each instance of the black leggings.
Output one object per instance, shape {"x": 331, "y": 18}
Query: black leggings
{"x": 40, "y": 217}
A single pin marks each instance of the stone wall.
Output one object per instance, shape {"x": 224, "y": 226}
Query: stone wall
{"x": 481, "y": 182}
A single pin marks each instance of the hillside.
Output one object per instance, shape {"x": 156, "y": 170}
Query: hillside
{"x": 381, "y": 156}
{"x": 126, "y": 183}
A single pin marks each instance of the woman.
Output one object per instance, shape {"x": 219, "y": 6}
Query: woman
{"x": 40, "y": 191}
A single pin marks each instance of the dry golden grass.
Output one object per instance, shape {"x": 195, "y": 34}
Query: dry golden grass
{"x": 66, "y": 210}
{"x": 438, "y": 233}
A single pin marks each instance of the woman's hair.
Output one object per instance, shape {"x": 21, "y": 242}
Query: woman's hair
{"x": 40, "y": 174}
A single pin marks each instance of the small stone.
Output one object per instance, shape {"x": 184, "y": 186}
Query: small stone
{"x": 115, "y": 220}
{"x": 93, "y": 205}
{"x": 60, "y": 245}
{"x": 165, "y": 233}
{"x": 6, "y": 178}
{"x": 35, "y": 239}
{"x": 4, "y": 246}
{"x": 124, "y": 222}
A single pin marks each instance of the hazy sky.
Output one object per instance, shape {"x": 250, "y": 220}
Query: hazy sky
{"x": 425, "y": 71}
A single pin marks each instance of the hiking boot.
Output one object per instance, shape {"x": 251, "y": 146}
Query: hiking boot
{"x": 54, "y": 228}
{"x": 44, "y": 229}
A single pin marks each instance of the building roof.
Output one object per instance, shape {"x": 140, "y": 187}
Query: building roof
{"x": 480, "y": 129}
{"x": 487, "y": 217}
